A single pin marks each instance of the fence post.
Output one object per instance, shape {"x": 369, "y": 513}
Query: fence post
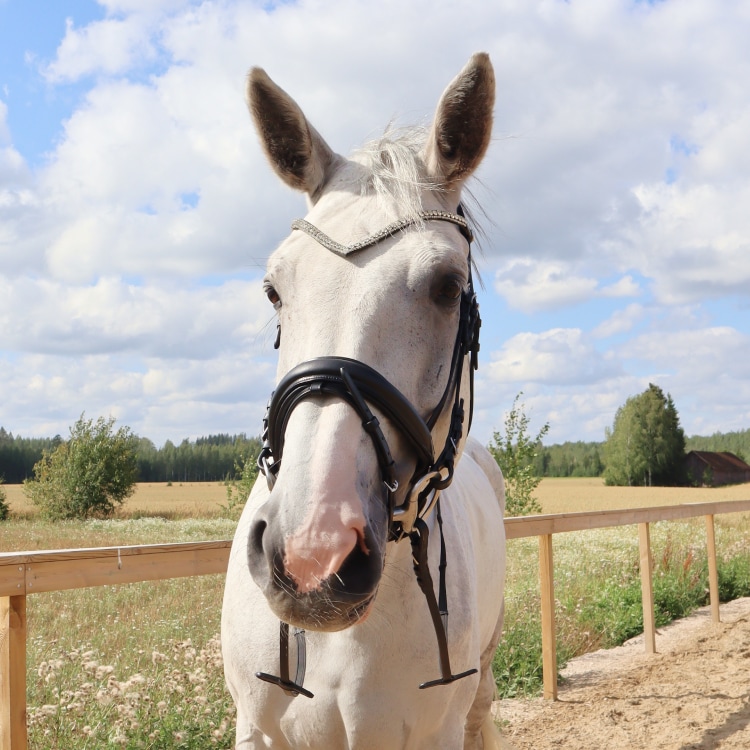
{"x": 647, "y": 587}
{"x": 547, "y": 590}
{"x": 13, "y": 673}
{"x": 713, "y": 571}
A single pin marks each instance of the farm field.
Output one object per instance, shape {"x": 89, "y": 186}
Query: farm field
{"x": 177, "y": 500}
{"x": 139, "y": 665}
{"x": 572, "y": 495}
{"x": 568, "y": 495}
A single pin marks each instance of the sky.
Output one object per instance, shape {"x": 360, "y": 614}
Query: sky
{"x": 137, "y": 211}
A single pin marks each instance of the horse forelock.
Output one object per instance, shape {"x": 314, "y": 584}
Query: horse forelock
{"x": 395, "y": 173}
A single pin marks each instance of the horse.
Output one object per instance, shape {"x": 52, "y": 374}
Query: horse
{"x": 375, "y": 514}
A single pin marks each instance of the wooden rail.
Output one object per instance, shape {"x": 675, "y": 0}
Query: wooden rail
{"x": 26, "y": 573}
{"x": 545, "y": 526}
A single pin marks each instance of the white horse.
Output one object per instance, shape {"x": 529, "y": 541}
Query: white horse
{"x": 327, "y": 632}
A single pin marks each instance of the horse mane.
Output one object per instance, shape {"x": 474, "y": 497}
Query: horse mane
{"x": 396, "y": 175}
{"x": 394, "y": 170}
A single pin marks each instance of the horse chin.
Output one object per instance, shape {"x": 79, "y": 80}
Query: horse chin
{"x": 320, "y": 611}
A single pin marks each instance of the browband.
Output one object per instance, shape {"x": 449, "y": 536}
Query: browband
{"x": 397, "y": 226}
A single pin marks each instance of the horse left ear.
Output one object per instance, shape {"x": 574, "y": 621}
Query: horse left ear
{"x": 462, "y": 127}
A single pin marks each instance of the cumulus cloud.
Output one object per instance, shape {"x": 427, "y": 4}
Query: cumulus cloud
{"x": 558, "y": 356}
{"x": 529, "y": 285}
{"x": 621, "y": 321}
{"x": 694, "y": 241}
{"x": 161, "y": 399}
{"x": 110, "y": 46}
{"x": 113, "y": 316}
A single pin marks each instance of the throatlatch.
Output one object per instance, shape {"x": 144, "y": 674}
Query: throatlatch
{"x": 360, "y": 385}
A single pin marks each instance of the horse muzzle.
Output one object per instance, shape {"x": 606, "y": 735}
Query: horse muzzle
{"x": 309, "y": 595}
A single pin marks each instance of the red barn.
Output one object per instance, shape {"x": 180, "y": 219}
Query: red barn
{"x": 714, "y": 469}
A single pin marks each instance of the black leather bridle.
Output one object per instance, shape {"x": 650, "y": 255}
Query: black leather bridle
{"x": 361, "y": 386}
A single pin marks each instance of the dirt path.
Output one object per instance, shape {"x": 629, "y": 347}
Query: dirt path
{"x": 694, "y": 694}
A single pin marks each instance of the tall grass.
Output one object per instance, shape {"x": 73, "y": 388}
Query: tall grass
{"x": 132, "y": 666}
{"x": 598, "y": 591}
{"x": 135, "y": 666}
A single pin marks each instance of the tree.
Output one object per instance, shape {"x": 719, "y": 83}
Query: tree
{"x": 87, "y": 476}
{"x": 515, "y": 453}
{"x": 4, "y": 509}
{"x": 646, "y": 445}
{"x": 238, "y": 490}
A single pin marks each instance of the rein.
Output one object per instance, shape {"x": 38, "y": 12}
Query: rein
{"x": 360, "y": 385}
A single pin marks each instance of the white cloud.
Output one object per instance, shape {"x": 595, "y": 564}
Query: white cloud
{"x": 112, "y": 316}
{"x": 109, "y": 46}
{"x": 558, "y": 356}
{"x": 703, "y": 354}
{"x": 694, "y": 241}
{"x": 621, "y": 321}
{"x": 532, "y": 285}
{"x": 160, "y": 399}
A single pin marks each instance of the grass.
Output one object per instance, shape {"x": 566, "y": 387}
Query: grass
{"x": 139, "y": 666}
{"x": 135, "y": 666}
{"x": 598, "y": 590}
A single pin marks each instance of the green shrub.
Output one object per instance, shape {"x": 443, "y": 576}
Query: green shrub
{"x": 238, "y": 490}
{"x": 734, "y": 577}
{"x": 88, "y": 476}
{"x": 4, "y": 509}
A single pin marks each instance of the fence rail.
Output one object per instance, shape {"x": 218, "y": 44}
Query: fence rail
{"x": 25, "y": 573}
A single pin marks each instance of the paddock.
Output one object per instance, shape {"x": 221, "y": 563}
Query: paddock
{"x": 26, "y": 574}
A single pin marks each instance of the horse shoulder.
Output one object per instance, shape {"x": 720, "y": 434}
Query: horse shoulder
{"x": 486, "y": 462}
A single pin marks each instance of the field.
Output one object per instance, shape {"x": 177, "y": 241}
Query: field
{"x": 206, "y": 499}
{"x": 165, "y": 500}
{"x": 572, "y": 495}
{"x": 138, "y": 666}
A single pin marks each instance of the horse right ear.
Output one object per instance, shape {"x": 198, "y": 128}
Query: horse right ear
{"x": 297, "y": 152}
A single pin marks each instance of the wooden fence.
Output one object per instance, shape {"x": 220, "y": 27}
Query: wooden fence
{"x": 25, "y": 573}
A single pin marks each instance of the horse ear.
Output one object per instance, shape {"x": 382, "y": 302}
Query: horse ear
{"x": 462, "y": 127}
{"x": 297, "y": 152}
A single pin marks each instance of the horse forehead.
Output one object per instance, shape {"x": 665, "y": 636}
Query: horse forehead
{"x": 406, "y": 257}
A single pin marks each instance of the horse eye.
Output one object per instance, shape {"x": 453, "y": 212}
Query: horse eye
{"x": 273, "y": 296}
{"x": 450, "y": 291}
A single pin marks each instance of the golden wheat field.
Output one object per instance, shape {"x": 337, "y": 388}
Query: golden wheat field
{"x": 178, "y": 500}
{"x": 569, "y": 495}
{"x": 581, "y": 494}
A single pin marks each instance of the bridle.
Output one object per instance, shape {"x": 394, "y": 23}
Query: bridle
{"x": 361, "y": 386}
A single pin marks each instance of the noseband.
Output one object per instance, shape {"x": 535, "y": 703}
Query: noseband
{"x": 361, "y": 386}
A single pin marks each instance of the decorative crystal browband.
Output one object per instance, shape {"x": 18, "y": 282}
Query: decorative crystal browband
{"x": 391, "y": 229}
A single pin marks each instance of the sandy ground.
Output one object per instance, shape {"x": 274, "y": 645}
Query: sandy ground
{"x": 694, "y": 694}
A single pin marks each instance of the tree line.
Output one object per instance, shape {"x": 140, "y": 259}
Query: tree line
{"x": 646, "y": 446}
{"x": 587, "y": 459}
{"x": 645, "y": 435}
{"x": 212, "y": 458}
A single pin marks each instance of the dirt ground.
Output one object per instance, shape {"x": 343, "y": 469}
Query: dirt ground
{"x": 694, "y": 694}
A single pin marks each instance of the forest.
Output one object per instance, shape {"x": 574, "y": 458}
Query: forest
{"x": 218, "y": 457}
{"x": 581, "y": 459}
{"x": 207, "y": 459}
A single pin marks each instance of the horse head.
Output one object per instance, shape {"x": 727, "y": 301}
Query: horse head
{"x": 370, "y": 292}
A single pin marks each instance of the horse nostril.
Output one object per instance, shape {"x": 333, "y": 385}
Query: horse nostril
{"x": 256, "y": 537}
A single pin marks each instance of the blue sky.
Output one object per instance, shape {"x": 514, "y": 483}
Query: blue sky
{"x": 136, "y": 210}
